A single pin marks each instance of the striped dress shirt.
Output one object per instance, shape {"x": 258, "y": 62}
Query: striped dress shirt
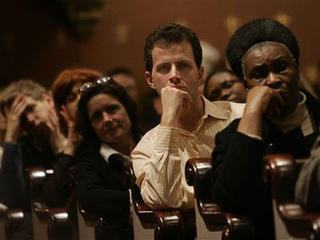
{"x": 160, "y": 157}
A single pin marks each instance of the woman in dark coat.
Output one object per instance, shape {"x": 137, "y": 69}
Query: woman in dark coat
{"x": 109, "y": 124}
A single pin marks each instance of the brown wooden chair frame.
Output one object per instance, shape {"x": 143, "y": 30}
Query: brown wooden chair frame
{"x": 291, "y": 220}
{"x": 212, "y": 222}
{"x": 49, "y": 223}
{"x": 152, "y": 224}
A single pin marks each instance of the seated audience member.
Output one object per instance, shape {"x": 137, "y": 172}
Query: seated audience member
{"x": 307, "y": 190}
{"x": 32, "y": 138}
{"x": 109, "y": 124}
{"x": 278, "y": 118}
{"x": 211, "y": 59}
{"x": 188, "y": 123}
{"x": 224, "y": 85}
{"x": 66, "y": 97}
{"x": 126, "y": 79}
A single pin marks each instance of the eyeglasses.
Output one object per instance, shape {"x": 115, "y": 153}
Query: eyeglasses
{"x": 101, "y": 81}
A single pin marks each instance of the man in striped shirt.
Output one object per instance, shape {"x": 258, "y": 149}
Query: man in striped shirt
{"x": 188, "y": 124}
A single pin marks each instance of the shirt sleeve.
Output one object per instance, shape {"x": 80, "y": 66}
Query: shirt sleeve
{"x": 157, "y": 166}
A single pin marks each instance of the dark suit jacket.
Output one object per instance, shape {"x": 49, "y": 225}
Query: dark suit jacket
{"x": 102, "y": 192}
{"x": 237, "y": 175}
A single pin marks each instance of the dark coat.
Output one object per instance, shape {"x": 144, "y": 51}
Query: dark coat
{"x": 237, "y": 175}
{"x": 101, "y": 190}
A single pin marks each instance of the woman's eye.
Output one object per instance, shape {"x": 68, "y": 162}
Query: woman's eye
{"x": 96, "y": 116}
{"x": 71, "y": 97}
{"x": 281, "y": 67}
{"x": 214, "y": 95}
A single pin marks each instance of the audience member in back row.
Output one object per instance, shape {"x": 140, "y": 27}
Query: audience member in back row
{"x": 109, "y": 124}
{"x": 188, "y": 122}
{"x": 66, "y": 97}
{"x": 278, "y": 118}
{"x": 32, "y": 138}
{"x": 224, "y": 85}
{"x": 127, "y": 80}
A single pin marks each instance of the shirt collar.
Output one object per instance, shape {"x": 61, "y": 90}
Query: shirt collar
{"x": 215, "y": 110}
{"x": 107, "y": 151}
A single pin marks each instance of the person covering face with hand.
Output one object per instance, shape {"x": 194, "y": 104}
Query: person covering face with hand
{"x": 278, "y": 118}
{"x": 188, "y": 122}
{"x": 32, "y": 138}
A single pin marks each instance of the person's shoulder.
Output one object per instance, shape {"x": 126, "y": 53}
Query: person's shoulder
{"x": 89, "y": 157}
{"x": 150, "y": 133}
{"x": 231, "y": 109}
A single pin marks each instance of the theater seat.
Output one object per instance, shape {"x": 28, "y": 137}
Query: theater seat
{"x": 291, "y": 220}
{"x": 49, "y": 223}
{"x": 87, "y": 223}
{"x": 212, "y": 223}
{"x": 150, "y": 224}
{"x": 10, "y": 219}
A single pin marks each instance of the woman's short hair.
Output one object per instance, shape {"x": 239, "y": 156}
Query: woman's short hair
{"x": 258, "y": 31}
{"x": 66, "y": 79}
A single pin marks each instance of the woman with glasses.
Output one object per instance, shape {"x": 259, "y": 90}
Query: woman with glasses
{"x": 109, "y": 124}
{"x": 66, "y": 97}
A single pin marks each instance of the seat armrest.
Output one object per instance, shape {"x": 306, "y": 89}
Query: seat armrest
{"x": 197, "y": 173}
{"x": 167, "y": 224}
{"x": 281, "y": 172}
{"x": 196, "y": 168}
{"x": 90, "y": 219}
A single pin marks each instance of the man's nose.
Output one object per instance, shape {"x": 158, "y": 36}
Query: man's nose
{"x": 273, "y": 80}
{"x": 174, "y": 75}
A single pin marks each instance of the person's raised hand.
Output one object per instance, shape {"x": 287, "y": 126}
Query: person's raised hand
{"x": 261, "y": 101}
{"x": 13, "y": 116}
{"x": 174, "y": 102}
{"x": 56, "y": 138}
{"x": 74, "y": 137}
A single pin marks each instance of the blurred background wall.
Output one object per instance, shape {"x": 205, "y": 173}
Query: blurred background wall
{"x": 36, "y": 40}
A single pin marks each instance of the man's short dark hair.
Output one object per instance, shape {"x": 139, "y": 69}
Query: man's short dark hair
{"x": 168, "y": 34}
{"x": 258, "y": 31}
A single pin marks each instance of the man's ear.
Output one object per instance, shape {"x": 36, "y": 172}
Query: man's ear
{"x": 149, "y": 79}
{"x": 200, "y": 75}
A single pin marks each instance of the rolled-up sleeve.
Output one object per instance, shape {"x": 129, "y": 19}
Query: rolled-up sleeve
{"x": 157, "y": 166}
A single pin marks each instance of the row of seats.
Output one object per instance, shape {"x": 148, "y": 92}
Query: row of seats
{"x": 74, "y": 223}
{"x": 291, "y": 220}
